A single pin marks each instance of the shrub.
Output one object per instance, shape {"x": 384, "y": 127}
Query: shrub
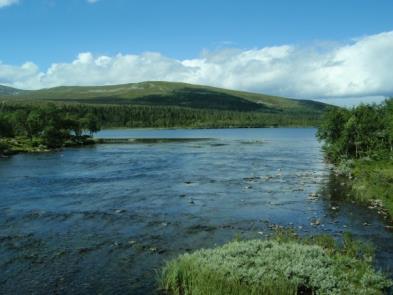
{"x": 3, "y": 147}
{"x": 273, "y": 267}
{"x": 53, "y": 138}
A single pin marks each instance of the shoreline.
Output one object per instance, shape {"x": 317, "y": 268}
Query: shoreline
{"x": 364, "y": 179}
{"x": 207, "y": 128}
{"x": 22, "y": 144}
{"x": 13, "y": 146}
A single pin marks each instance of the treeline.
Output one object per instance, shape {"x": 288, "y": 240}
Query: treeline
{"x": 363, "y": 131}
{"x": 46, "y": 124}
{"x": 133, "y": 116}
{"x": 53, "y": 125}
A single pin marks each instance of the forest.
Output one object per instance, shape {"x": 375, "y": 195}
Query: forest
{"x": 136, "y": 116}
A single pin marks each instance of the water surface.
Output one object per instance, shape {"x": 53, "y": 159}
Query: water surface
{"x": 103, "y": 219}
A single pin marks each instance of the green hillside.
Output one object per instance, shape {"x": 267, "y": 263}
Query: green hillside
{"x": 167, "y": 94}
{"x": 5, "y": 90}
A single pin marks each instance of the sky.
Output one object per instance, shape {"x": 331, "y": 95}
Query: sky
{"x": 329, "y": 50}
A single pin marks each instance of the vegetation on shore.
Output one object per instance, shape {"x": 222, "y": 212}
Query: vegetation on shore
{"x": 372, "y": 181}
{"x": 130, "y": 116}
{"x": 360, "y": 142}
{"x": 280, "y": 265}
{"x": 41, "y": 128}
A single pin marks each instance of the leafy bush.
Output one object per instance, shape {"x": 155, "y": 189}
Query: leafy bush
{"x": 3, "y": 147}
{"x": 364, "y": 131}
{"x": 6, "y": 128}
{"x": 276, "y": 266}
{"x": 53, "y": 138}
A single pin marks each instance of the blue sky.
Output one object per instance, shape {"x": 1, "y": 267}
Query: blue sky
{"x": 47, "y": 31}
{"x": 50, "y": 32}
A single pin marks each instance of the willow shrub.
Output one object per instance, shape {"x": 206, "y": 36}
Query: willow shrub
{"x": 276, "y": 266}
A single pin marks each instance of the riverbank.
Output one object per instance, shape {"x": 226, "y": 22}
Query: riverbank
{"x": 284, "y": 264}
{"x": 360, "y": 142}
{"x": 12, "y": 146}
{"x": 372, "y": 182}
{"x": 22, "y": 144}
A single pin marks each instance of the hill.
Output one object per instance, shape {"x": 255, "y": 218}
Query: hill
{"x": 5, "y": 90}
{"x": 157, "y": 93}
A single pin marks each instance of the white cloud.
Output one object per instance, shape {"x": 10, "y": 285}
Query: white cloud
{"x": 4, "y": 3}
{"x": 362, "y": 67}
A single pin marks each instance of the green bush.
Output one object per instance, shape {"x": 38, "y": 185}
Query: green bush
{"x": 6, "y": 128}
{"x": 363, "y": 131}
{"x": 289, "y": 266}
{"x": 3, "y": 147}
{"x": 53, "y": 138}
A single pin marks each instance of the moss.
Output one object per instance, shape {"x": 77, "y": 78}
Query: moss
{"x": 275, "y": 266}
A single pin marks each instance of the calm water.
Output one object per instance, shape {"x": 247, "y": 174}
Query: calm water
{"x": 103, "y": 219}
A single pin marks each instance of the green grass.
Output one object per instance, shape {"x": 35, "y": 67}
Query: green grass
{"x": 275, "y": 266}
{"x": 373, "y": 183}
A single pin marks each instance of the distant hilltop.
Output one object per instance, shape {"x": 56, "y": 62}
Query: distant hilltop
{"x": 159, "y": 93}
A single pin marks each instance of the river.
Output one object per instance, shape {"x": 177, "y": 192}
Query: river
{"x": 103, "y": 219}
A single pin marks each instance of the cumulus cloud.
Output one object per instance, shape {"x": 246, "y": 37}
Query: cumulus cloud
{"x": 4, "y": 3}
{"x": 361, "y": 67}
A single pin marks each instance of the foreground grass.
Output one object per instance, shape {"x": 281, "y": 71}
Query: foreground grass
{"x": 373, "y": 182}
{"x": 275, "y": 266}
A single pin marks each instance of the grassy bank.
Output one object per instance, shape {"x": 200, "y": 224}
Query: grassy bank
{"x": 276, "y": 266}
{"x": 22, "y": 144}
{"x": 372, "y": 182}
{"x": 360, "y": 142}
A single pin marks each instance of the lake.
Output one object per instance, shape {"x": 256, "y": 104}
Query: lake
{"x": 103, "y": 219}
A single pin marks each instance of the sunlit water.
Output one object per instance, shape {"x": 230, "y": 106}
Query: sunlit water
{"x": 103, "y": 219}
